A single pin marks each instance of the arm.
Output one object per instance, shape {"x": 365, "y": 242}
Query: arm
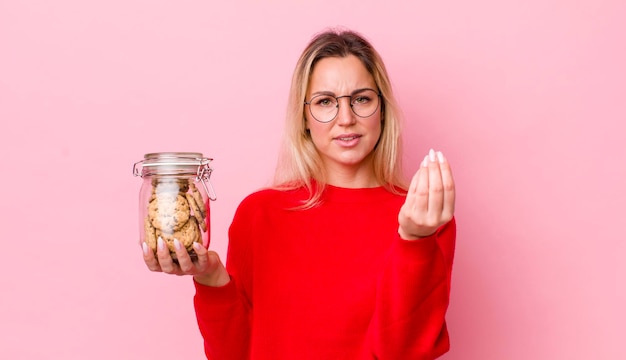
{"x": 414, "y": 288}
{"x": 221, "y": 314}
{"x": 223, "y": 308}
{"x": 412, "y": 298}
{"x": 223, "y": 320}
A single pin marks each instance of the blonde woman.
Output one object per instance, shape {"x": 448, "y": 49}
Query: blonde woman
{"x": 339, "y": 260}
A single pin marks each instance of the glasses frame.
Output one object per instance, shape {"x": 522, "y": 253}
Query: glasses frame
{"x": 351, "y": 105}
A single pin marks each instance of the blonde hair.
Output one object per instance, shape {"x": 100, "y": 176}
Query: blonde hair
{"x": 299, "y": 161}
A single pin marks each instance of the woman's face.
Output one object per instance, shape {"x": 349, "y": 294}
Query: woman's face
{"x": 345, "y": 142}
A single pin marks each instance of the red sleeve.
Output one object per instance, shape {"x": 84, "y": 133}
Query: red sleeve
{"x": 223, "y": 313}
{"x": 223, "y": 321}
{"x": 412, "y": 298}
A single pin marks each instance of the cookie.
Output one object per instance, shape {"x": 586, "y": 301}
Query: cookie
{"x": 187, "y": 235}
{"x": 198, "y": 197}
{"x": 150, "y": 234}
{"x": 196, "y": 211}
{"x": 168, "y": 212}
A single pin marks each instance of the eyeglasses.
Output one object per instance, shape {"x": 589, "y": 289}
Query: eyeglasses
{"x": 325, "y": 107}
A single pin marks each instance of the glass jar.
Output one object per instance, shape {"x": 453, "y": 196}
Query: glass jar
{"x": 174, "y": 199}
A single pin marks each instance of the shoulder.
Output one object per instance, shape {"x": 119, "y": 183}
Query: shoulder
{"x": 271, "y": 198}
{"x": 268, "y": 196}
{"x": 260, "y": 196}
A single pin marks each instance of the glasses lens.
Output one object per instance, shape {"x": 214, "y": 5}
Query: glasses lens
{"x": 365, "y": 103}
{"x": 324, "y": 108}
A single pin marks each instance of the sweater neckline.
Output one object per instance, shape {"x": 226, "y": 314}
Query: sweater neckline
{"x": 341, "y": 194}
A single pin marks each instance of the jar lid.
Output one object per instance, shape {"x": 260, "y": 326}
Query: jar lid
{"x": 171, "y": 163}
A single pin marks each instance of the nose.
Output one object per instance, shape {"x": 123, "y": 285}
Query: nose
{"x": 345, "y": 115}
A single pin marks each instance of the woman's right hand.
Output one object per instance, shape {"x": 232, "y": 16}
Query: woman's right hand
{"x": 207, "y": 269}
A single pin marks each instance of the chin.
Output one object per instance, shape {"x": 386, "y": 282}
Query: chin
{"x": 351, "y": 161}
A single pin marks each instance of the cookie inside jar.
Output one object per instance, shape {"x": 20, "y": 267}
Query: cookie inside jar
{"x": 175, "y": 209}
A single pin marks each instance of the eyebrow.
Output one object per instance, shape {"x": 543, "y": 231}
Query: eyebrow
{"x": 333, "y": 94}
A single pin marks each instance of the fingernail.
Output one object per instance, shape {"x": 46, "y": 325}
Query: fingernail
{"x": 144, "y": 246}
{"x": 177, "y": 244}
{"x": 440, "y": 157}
{"x": 197, "y": 246}
{"x": 431, "y": 155}
{"x": 160, "y": 243}
{"x": 425, "y": 161}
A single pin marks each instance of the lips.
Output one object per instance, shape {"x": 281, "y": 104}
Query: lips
{"x": 347, "y": 137}
{"x": 347, "y": 140}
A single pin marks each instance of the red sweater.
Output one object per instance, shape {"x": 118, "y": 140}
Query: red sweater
{"x": 332, "y": 282}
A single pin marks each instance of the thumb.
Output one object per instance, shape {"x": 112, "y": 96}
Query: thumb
{"x": 213, "y": 261}
{"x": 212, "y": 271}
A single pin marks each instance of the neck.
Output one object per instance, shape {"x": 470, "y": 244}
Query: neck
{"x": 361, "y": 176}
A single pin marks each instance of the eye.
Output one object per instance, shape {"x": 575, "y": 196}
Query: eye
{"x": 324, "y": 101}
{"x": 361, "y": 99}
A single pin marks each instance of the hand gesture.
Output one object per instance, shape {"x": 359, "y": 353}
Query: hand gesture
{"x": 429, "y": 202}
{"x": 207, "y": 269}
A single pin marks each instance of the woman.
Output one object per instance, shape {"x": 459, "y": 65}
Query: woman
{"x": 337, "y": 260}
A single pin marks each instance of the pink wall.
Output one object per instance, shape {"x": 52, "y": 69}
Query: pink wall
{"x": 526, "y": 98}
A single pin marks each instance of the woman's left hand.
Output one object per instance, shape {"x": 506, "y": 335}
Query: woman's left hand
{"x": 429, "y": 202}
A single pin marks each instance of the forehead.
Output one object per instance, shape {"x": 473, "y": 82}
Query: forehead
{"x": 340, "y": 75}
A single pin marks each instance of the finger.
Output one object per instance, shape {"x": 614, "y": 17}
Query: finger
{"x": 164, "y": 257}
{"x": 184, "y": 260}
{"x": 415, "y": 178}
{"x": 203, "y": 260}
{"x": 149, "y": 259}
{"x": 216, "y": 268}
{"x": 435, "y": 189}
{"x": 419, "y": 199}
{"x": 448, "y": 187}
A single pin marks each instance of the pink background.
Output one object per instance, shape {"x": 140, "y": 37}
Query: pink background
{"x": 527, "y": 98}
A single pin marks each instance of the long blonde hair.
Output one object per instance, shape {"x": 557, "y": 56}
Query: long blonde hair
{"x": 299, "y": 162}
